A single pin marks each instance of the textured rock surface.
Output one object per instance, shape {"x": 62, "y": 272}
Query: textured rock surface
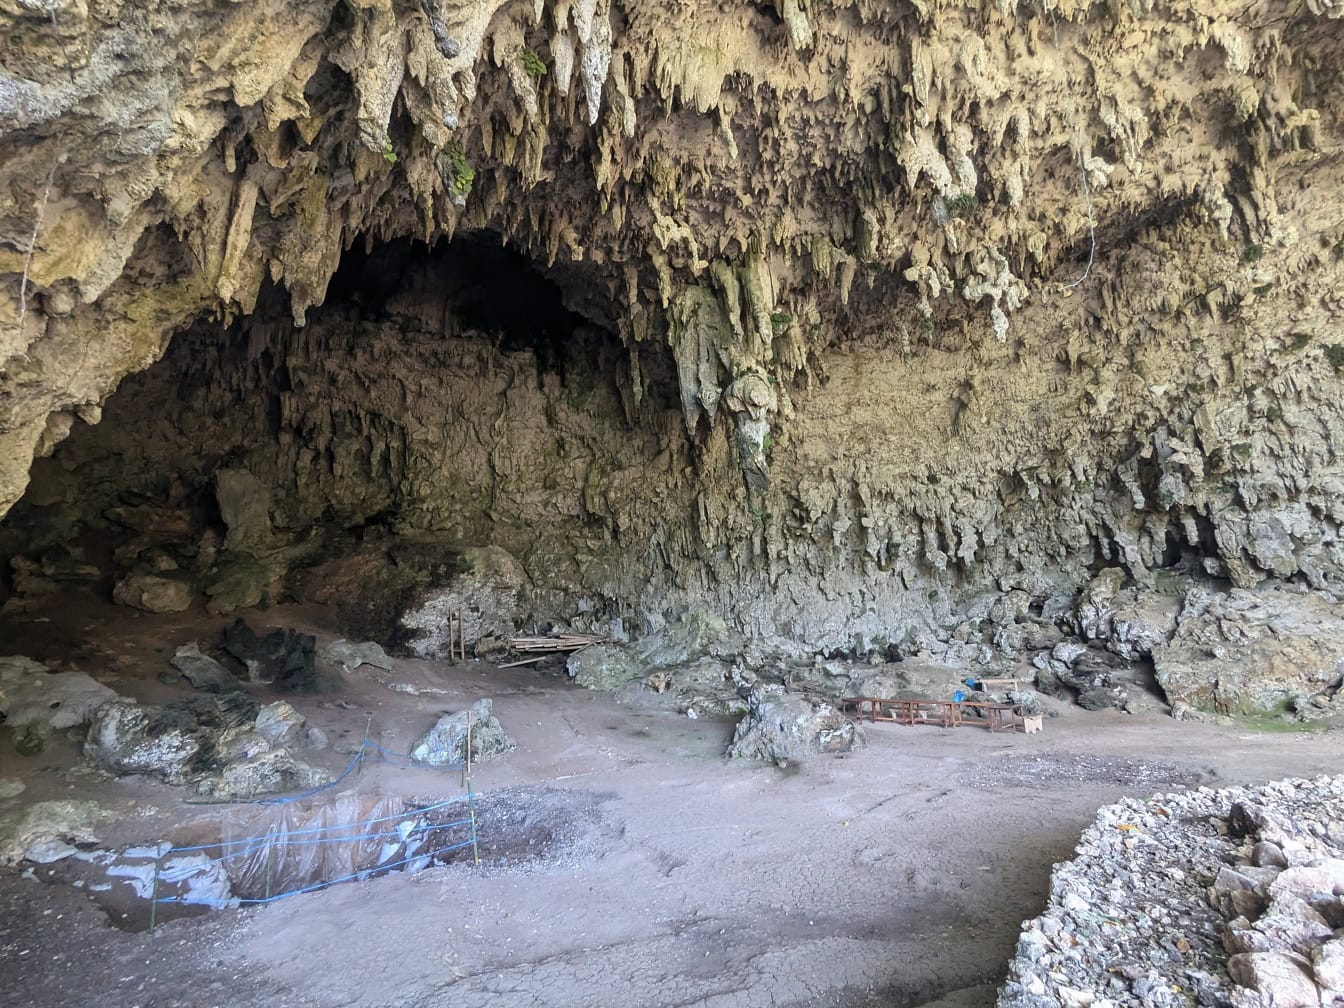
{"x": 780, "y": 727}
{"x": 879, "y": 304}
{"x": 446, "y": 743}
{"x": 34, "y": 700}
{"x": 1201, "y": 898}
{"x": 1258, "y": 652}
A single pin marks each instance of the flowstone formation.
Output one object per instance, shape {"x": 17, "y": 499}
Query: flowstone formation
{"x": 860, "y": 319}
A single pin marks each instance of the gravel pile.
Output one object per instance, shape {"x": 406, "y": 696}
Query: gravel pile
{"x": 1221, "y": 899}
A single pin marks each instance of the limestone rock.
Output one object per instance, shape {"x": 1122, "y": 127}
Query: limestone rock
{"x": 349, "y": 655}
{"x": 603, "y": 667}
{"x": 154, "y": 593}
{"x": 274, "y": 771}
{"x": 44, "y": 822}
{"x": 244, "y": 506}
{"x": 283, "y": 657}
{"x": 1276, "y": 977}
{"x": 34, "y": 700}
{"x": 489, "y": 593}
{"x": 127, "y": 738}
{"x": 1260, "y": 651}
{"x": 281, "y": 725}
{"x": 1328, "y": 965}
{"x": 446, "y": 743}
{"x": 780, "y": 727}
{"x": 201, "y": 670}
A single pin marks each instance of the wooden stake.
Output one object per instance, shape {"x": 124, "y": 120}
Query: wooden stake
{"x": 154, "y": 893}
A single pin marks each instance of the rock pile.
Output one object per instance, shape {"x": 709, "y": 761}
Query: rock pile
{"x": 225, "y": 746}
{"x": 1221, "y": 899}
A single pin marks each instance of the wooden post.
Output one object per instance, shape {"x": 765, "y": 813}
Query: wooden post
{"x": 154, "y": 893}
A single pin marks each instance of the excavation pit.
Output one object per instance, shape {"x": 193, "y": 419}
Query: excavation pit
{"x": 254, "y": 857}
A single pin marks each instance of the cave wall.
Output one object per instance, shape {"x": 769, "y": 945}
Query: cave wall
{"x": 907, "y": 306}
{"x": 915, "y": 486}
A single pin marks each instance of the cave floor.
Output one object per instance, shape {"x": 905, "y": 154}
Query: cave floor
{"x": 895, "y": 875}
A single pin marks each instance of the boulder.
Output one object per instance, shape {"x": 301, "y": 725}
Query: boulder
{"x": 1276, "y": 977}
{"x": 1253, "y": 652}
{"x": 36, "y": 702}
{"x": 127, "y": 738}
{"x": 284, "y": 658}
{"x": 271, "y": 772}
{"x": 201, "y": 670}
{"x": 41, "y": 824}
{"x": 1328, "y": 965}
{"x": 153, "y": 593}
{"x": 446, "y": 743}
{"x": 349, "y": 655}
{"x": 781, "y": 726}
{"x": 281, "y": 725}
{"x": 603, "y": 667}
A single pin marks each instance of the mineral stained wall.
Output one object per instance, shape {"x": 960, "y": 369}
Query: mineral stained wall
{"x": 877, "y": 309}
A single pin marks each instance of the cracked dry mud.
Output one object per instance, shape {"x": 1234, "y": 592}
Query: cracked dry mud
{"x": 896, "y": 876}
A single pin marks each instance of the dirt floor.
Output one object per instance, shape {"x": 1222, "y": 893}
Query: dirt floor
{"x": 626, "y": 863}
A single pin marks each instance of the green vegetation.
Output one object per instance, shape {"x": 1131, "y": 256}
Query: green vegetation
{"x": 532, "y": 64}
{"x": 1334, "y": 353}
{"x": 780, "y": 322}
{"x": 389, "y": 155}
{"x": 1252, "y": 253}
{"x": 963, "y": 206}
{"x": 457, "y": 171}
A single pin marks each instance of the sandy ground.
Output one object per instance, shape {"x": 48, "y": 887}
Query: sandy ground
{"x": 659, "y": 874}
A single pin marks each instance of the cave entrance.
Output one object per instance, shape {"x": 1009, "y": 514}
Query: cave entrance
{"x": 450, "y": 410}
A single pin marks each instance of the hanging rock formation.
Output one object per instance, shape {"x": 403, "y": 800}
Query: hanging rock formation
{"x": 870, "y": 310}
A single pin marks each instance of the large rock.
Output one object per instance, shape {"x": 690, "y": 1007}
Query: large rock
{"x": 283, "y": 657}
{"x": 201, "y": 670}
{"x": 446, "y": 743}
{"x": 273, "y": 771}
{"x": 153, "y": 593}
{"x": 603, "y": 667}
{"x": 349, "y": 655}
{"x": 1276, "y": 977}
{"x": 36, "y": 701}
{"x": 781, "y": 726}
{"x": 127, "y": 738}
{"x": 41, "y": 824}
{"x": 1262, "y": 651}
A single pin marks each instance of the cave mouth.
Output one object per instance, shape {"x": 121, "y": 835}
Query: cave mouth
{"x": 445, "y": 411}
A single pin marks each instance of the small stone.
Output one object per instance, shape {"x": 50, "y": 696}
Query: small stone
{"x": 1269, "y": 855}
{"x": 1328, "y": 964}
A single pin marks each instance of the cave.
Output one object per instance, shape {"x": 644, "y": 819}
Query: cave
{"x": 801, "y": 502}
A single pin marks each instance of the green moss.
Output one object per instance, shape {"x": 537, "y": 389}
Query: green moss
{"x": 1252, "y": 253}
{"x": 963, "y": 206}
{"x": 1298, "y": 340}
{"x": 1334, "y": 353}
{"x": 532, "y": 64}
{"x": 780, "y": 323}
